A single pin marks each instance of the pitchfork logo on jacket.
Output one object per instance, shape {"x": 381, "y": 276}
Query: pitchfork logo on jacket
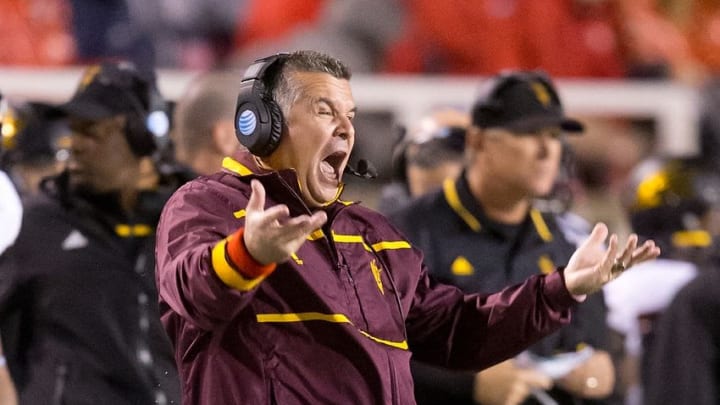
{"x": 376, "y": 270}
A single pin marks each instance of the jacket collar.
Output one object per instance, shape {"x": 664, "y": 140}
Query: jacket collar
{"x": 105, "y": 207}
{"x": 458, "y": 196}
{"x": 244, "y": 164}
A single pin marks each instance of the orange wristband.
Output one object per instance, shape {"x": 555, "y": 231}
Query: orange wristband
{"x": 242, "y": 260}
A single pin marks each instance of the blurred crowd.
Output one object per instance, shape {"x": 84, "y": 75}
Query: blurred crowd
{"x": 670, "y": 39}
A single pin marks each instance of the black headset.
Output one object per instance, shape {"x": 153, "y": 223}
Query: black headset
{"x": 149, "y": 131}
{"x": 258, "y": 118}
{"x": 155, "y": 125}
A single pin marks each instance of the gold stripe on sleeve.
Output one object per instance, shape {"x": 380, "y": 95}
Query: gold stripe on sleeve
{"x": 390, "y": 245}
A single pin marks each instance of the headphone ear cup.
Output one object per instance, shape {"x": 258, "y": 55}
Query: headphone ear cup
{"x": 138, "y": 136}
{"x": 258, "y": 118}
{"x": 147, "y": 129}
{"x": 258, "y": 124}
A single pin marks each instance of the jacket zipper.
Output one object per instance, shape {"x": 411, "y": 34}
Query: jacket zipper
{"x": 60, "y": 379}
{"x": 393, "y": 382}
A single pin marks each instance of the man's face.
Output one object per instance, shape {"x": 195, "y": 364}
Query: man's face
{"x": 525, "y": 163}
{"x": 320, "y": 135}
{"x": 100, "y": 157}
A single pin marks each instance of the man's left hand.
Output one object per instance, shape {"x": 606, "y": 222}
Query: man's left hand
{"x": 591, "y": 266}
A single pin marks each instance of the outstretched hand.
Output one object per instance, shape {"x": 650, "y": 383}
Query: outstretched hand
{"x": 271, "y": 235}
{"x": 592, "y": 266}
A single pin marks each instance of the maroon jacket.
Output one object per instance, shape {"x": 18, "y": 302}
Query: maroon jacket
{"x": 336, "y": 323}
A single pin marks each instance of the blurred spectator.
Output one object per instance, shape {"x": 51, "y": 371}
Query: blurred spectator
{"x": 79, "y": 319}
{"x": 36, "y": 33}
{"x": 676, "y": 202}
{"x": 424, "y": 157}
{"x": 36, "y": 142}
{"x": 672, "y": 200}
{"x": 683, "y": 361}
{"x": 481, "y": 232}
{"x": 204, "y": 130}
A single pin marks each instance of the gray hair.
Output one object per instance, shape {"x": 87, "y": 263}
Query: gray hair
{"x": 286, "y": 91}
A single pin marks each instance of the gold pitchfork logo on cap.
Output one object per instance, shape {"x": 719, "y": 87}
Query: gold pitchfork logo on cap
{"x": 89, "y": 75}
{"x": 541, "y": 93}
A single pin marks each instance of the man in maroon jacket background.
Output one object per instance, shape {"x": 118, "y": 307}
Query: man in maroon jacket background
{"x": 273, "y": 290}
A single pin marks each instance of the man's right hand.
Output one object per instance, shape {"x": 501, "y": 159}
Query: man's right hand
{"x": 272, "y": 236}
{"x": 507, "y": 384}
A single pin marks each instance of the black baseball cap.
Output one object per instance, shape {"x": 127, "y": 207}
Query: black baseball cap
{"x": 521, "y": 101}
{"x": 110, "y": 89}
{"x": 119, "y": 88}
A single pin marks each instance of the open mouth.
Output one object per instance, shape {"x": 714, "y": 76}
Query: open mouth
{"x": 330, "y": 166}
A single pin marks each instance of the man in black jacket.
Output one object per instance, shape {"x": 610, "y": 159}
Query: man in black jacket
{"x": 77, "y": 291}
{"x": 482, "y": 232}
